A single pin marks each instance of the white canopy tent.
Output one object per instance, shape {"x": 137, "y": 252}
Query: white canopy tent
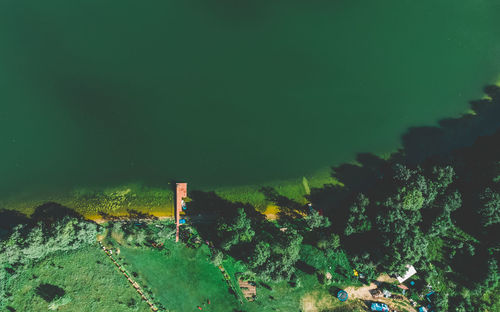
{"x": 409, "y": 273}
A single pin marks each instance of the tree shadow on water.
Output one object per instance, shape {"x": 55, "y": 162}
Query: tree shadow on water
{"x": 205, "y": 209}
{"x": 52, "y": 212}
{"x": 108, "y": 216}
{"x": 10, "y": 218}
{"x": 139, "y": 215}
{"x": 420, "y": 143}
{"x": 425, "y": 146}
{"x": 47, "y": 213}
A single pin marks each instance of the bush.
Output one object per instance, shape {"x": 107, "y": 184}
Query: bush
{"x": 27, "y": 244}
{"x": 217, "y": 257}
{"x": 49, "y": 292}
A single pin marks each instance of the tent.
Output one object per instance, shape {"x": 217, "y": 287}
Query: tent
{"x": 409, "y": 273}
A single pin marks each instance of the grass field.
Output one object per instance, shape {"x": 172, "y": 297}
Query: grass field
{"x": 89, "y": 279}
{"x": 178, "y": 277}
{"x": 181, "y": 278}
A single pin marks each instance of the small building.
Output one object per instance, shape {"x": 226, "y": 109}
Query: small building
{"x": 409, "y": 273}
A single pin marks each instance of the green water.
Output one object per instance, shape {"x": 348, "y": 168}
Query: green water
{"x": 227, "y": 92}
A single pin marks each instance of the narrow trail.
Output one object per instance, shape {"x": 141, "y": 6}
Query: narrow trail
{"x": 134, "y": 284}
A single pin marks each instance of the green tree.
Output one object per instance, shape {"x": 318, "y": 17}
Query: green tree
{"x": 444, "y": 222}
{"x": 284, "y": 253}
{"x": 260, "y": 255}
{"x": 331, "y": 242}
{"x": 364, "y": 264}
{"x": 358, "y": 221}
{"x": 235, "y": 230}
{"x": 27, "y": 244}
{"x": 399, "y": 221}
{"x": 492, "y": 276}
{"x": 217, "y": 257}
{"x": 490, "y": 210}
{"x": 315, "y": 220}
{"x": 440, "y": 301}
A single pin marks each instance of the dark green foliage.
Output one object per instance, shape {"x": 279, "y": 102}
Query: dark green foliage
{"x": 440, "y": 302}
{"x": 364, "y": 264}
{"x": 490, "y": 210}
{"x": 283, "y": 254}
{"x": 260, "y": 255}
{"x": 358, "y": 221}
{"x": 315, "y": 220}
{"x": 27, "y": 244}
{"x": 330, "y": 243}
{"x": 491, "y": 277}
{"x": 88, "y": 285}
{"x": 216, "y": 257}
{"x": 412, "y": 193}
{"x": 234, "y": 230}
{"x": 49, "y": 292}
{"x": 450, "y": 203}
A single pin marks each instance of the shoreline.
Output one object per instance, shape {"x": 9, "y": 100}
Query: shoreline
{"x": 118, "y": 200}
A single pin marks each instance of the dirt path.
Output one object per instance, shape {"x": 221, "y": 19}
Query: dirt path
{"x": 363, "y": 293}
{"x": 134, "y": 284}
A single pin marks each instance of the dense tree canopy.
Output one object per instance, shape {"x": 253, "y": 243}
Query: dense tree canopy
{"x": 234, "y": 230}
{"x": 358, "y": 221}
{"x": 283, "y": 254}
{"x": 315, "y": 220}
{"x": 27, "y": 244}
{"x": 490, "y": 210}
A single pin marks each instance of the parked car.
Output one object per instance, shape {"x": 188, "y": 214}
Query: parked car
{"x": 377, "y": 306}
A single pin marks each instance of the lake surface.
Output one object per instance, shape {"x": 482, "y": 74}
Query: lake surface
{"x": 227, "y": 92}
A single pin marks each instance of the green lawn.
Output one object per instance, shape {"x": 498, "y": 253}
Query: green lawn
{"x": 88, "y": 277}
{"x": 181, "y": 280}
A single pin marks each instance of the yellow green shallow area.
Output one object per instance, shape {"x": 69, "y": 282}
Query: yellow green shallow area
{"x": 92, "y": 202}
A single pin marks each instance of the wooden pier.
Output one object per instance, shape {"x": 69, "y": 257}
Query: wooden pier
{"x": 180, "y": 194}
